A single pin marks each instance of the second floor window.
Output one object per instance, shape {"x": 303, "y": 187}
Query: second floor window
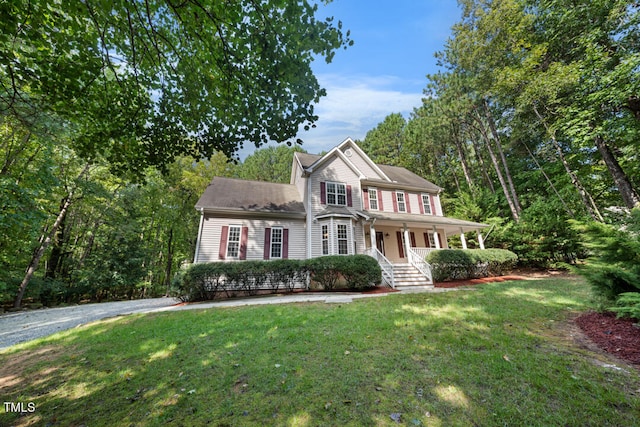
{"x": 426, "y": 204}
{"x": 373, "y": 199}
{"x": 402, "y": 207}
{"x": 336, "y": 194}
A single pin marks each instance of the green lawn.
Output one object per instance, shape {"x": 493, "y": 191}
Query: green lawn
{"x": 497, "y": 355}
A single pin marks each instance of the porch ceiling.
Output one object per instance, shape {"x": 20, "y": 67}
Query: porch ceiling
{"x": 449, "y": 225}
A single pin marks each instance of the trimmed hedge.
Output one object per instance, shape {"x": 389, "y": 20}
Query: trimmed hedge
{"x": 202, "y": 282}
{"x": 460, "y": 264}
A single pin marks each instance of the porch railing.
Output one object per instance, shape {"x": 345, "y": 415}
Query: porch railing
{"x": 423, "y": 252}
{"x": 385, "y": 265}
{"x": 417, "y": 260}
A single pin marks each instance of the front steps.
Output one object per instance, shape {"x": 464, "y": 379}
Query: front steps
{"x": 407, "y": 276}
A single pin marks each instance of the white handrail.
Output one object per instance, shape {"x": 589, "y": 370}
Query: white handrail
{"x": 418, "y": 262}
{"x": 385, "y": 265}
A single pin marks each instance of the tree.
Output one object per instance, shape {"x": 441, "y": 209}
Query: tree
{"x": 385, "y": 143}
{"x": 272, "y": 164}
{"x": 143, "y": 82}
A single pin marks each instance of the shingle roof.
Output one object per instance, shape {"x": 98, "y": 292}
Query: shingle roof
{"x": 258, "y": 196}
{"x": 397, "y": 174}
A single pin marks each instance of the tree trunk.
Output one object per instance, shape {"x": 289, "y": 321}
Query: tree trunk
{"x": 56, "y": 252}
{"x": 496, "y": 137}
{"x": 485, "y": 174}
{"x": 463, "y": 158}
{"x": 496, "y": 166}
{"x": 587, "y": 200}
{"x": 35, "y": 260}
{"x": 44, "y": 244}
{"x": 628, "y": 193}
{"x": 167, "y": 275}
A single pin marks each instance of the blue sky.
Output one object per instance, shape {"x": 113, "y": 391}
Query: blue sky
{"x": 384, "y": 71}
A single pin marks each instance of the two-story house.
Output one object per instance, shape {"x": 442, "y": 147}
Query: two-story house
{"x": 340, "y": 203}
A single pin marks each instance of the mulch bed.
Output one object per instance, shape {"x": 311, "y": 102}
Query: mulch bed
{"x": 471, "y": 282}
{"x": 620, "y": 337}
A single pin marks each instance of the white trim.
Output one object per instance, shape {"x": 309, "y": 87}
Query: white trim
{"x": 362, "y": 154}
{"x": 281, "y": 242}
{"x": 195, "y": 256}
{"x": 336, "y": 193}
{"x": 226, "y": 253}
{"x": 375, "y": 191}
{"x": 428, "y": 203}
{"x": 309, "y": 220}
{"x": 404, "y": 201}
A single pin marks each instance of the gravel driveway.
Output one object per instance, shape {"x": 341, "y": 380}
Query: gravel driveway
{"x": 28, "y": 325}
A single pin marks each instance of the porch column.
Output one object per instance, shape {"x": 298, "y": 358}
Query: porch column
{"x": 480, "y": 240}
{"x": 372, "y": 236}
{"x": 463, "y": 240}
{"x": 407, "y": 241}
{"x": 436, "y": 240}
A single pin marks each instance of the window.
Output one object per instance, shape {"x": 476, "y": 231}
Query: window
{"x": 426, "y": 204}
{"x": 400, "y": 199}
{"x": 276, "y": 242}
{"x": 343, "y": 248}
{"x": 233, "y": 243}
{"x": 373, "y": 199}
{"x": 336, "y": 194}
{"x": 325, "y": 240}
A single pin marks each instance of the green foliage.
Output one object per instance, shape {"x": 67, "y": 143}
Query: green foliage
{"x": 628, "y": 305}
{"x": 358, "y": 271}
{"x": 202, "y": 282}
{"x": 613, "y": 267}
{"x": 457, "y": 264}
{"x": 272, "y": 164}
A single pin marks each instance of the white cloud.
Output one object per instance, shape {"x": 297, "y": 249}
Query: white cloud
{"x": 353, "y": 106}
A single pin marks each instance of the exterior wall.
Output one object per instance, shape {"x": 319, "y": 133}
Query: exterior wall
{"x": 391, "y": 249}
{"x": 212, "y": 229}
{"x": 362, "y": 164}
{"x": 335, "y": 170}
{"x": 414, "y": 199}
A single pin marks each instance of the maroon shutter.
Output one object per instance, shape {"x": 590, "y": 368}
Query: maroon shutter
{"x": 349, "y": 199}
{"x": 223, "y": 242}
{"x": 412, "y": 235}
{"x": 285, "y": 243}
{"x": 365, "y": 197}
{"x": 395, "y": 203}
{"x": 380, "y": 207}
{"x": 400, "y": 245}
{"x": 267, "y": 243}
{"x": 426, "y": 240}
{"x": 323, "y": 193}
{"x": 406, "y": 202}
{"x": 243, "y": 242}
{"x": 420, "y": 204}
{"x": 433, "y": 205}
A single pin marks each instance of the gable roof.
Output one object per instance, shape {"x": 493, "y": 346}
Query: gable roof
{"x": 239, "y": 195}
{"x": 398, "y": 176}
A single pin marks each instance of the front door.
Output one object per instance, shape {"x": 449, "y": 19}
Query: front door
{"x": 380, "y": 242}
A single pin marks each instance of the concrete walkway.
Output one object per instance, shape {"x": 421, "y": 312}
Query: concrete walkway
{"x": 25, "y": 326}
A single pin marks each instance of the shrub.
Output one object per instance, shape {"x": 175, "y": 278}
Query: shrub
{"x": 325, "y": 271}
{"x": 628, "y": 305}
{"x": 457, "y": 264}
{"x": 361, "y": 271}
{"x": 613, "y": 267}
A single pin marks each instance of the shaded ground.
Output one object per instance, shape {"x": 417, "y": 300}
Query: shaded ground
{"x": 619, "y": 337}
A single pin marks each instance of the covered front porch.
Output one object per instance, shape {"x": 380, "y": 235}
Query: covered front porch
{"x": 400, "y": 241}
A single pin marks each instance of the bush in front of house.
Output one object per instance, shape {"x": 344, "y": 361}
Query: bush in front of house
{"x": 461, "y": 264}
{"x": 357, "y": 271}
{"x": 202, "y": 282}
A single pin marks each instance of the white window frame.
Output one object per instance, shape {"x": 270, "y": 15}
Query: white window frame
{"x": 340, "y": 239}
{"x": 324, "y": 234}
{"x": 426, "y": 206}
{"x": 373, "y": 198}
{"x": 332, "y": 190}
{"x": 399, "y": 203}
{"x": 276, "y": 244}
{"x": 233, "y": 245}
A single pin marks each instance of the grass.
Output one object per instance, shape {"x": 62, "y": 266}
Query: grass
{"x": 497, "y": 355}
